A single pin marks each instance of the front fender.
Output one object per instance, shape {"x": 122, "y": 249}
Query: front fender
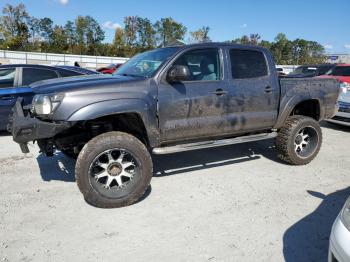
{"x": 120, "y": 106}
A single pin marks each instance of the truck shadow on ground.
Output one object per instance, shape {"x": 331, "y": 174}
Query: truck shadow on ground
{"x": 5, "y": 133}
{"x": 337, "y": 127}
{"x": 59, "y": 167}
{"x": 172, "y": 164}
{"x": 308, "y": 239}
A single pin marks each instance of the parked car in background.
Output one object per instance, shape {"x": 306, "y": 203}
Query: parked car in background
{"x": 109, "y": 69}
{"x": 339, "y": 243}
{"x": 15, "y": 80}
{"x": 341, "y": 72}
{"x": 77, "y": 69}
{"x": 280, "y": 72}
{"x": 343, "y": 115}
{"x": 310, "y": 70}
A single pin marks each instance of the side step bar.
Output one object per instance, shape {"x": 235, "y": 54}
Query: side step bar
{"x": 212, "y": 143}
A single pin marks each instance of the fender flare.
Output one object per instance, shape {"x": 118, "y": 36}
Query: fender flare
{"x": 121, "y": 106}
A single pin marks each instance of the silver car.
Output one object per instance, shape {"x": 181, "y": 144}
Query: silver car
{"x": 343, "y": 115}
{"x": 339, "y": 244}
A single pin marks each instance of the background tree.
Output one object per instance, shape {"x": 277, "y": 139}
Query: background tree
{"x": 46, "y": 31}
{"x": 13, "y": 26}
{"x": 20, "y": 31}
{"x": 119, "y": 42}
{"x": 70, "y": 32}
{"x": 201, "y": 35}
{"x": 34, "y": 30}
{"x": 168, "y": 31}
{"x": 59, "y": 39}
{"x": 130, "y": 29}
{"x": 146, "y": 33}
{"x": 94, "y": 35}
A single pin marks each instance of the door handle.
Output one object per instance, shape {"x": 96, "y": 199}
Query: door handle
{"x": 268, "y": 89}
{"x": 220, "y": 92}
{"x": 7, "y": 97}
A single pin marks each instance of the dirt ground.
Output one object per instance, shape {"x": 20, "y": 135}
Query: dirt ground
{"x": 235, "y": 203}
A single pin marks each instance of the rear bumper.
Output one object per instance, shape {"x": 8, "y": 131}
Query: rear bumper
{"x": 26, "y": 128}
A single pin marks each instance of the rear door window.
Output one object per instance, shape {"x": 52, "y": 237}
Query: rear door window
{"x": 7, "y": 77}
{"x": 31, "y": 75}
{"x": 247, "y": 64}
{"x": 66, "y": 73}
{"x": 341, "y": 71}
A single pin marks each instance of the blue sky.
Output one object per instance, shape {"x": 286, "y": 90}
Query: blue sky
{"x": 321, "y": 20}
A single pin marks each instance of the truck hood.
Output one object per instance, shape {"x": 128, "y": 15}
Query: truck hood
{"x": 81, "y": 82}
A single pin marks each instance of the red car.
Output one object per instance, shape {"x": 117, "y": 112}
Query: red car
{"x": 109, "y": 69}
{"x": 341, "y": 72}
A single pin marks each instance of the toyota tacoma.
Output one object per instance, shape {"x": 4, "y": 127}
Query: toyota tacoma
{"x": 169, "y": 100}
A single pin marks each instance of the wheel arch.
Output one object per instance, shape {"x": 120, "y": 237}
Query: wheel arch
{"x": 135, "y": 113}
{"x": 311, "y": 107}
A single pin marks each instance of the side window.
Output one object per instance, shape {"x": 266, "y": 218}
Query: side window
{"x": 247, "y": 64}
{"x": 31, "y": 75}
{"x": 204, "y": 64}
{"x": 64, "y": 73}
{"x": 7, "y": 77}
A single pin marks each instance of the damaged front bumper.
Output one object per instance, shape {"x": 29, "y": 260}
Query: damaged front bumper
{"x": 25, "y": 128}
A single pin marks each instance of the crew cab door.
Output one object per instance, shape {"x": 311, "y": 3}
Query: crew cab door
{"x": 253, "y": 90}
{"x": 195, "y": 108}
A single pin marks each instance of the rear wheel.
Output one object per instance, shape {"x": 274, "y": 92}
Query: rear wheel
{"x": 299, "y": 140}
{"x": 113, "y": 170}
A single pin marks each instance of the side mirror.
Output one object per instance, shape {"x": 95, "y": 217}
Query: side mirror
{"x": 178, "y": 73}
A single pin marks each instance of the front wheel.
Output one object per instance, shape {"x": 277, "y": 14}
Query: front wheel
{"x": 113, "y": 170}
{"x": 299, "y": 140}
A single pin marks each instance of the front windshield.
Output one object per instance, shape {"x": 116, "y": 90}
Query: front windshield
{"x": 146, "y": 64}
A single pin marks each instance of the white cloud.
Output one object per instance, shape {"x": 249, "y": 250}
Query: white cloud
{"x": 111, "y": 25}
{"x": 63, "y": 2}
{"x": 328, "y": 46}
{"x": 347, "y": 46}
{"x": 243, "y": 26}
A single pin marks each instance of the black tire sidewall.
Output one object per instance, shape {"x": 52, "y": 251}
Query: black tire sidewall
{"x": 288, "y": 154}
{"x": 100, "y": 144}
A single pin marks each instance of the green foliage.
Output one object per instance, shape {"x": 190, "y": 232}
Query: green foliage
{"x": 19, "y": 31}
{"x": 201, "y": 35}
{"x": 168, "y": 31}
{"x": 13, "y": 27}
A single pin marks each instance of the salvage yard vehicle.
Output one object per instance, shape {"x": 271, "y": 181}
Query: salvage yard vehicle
{"x": 341, "y": 73}
{"x": 343, "y": 115}
{"x": 340, "y": 236}
{"x": 311, "y": 70}
{"x": 14, "y": 81}
{"x": 170, "y": 100}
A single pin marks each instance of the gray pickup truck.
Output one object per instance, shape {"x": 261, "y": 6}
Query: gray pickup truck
{"x": 170, "y": 100}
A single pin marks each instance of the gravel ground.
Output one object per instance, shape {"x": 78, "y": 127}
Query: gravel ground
{"x": 236, "y": 203}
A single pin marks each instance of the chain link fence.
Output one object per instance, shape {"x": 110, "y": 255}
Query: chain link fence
{"x": 92, "y": 62}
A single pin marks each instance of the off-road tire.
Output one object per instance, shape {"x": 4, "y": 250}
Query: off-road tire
{"x": 100, "y": 144}
{"x": 287, "y": 135}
